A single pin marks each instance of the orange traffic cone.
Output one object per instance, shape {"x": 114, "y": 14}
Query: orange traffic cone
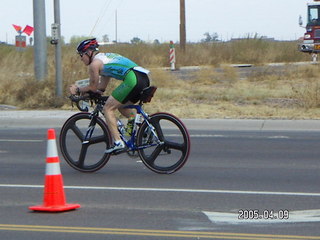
{"x": 54, "y": 199}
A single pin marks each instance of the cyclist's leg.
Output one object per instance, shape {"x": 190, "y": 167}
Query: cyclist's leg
{"x": 111, "y": 105}
{"x": 128, "y": 112}
{"x": 114, "y": 102}
{"x": 122, "y": 92}
{"x": 117, "y": 100}
{"x": 129, "y": 91}
{"x": 142, "y": 81}
{"x": 109, "y": 109}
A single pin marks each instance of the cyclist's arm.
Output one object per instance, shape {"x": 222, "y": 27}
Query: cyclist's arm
{"x": 104, "y": 81}
{"x": 94, "y": 76}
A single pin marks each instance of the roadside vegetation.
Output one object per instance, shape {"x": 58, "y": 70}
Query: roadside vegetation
{"x": 216, "y": 90}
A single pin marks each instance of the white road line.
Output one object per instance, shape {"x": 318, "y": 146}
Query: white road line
{"x": 208, "y": 135}
{"x": 171, "y": 135}
{"x": 230, "y": 136}
{"x": 170, "y": 190}
{"x": 20, "y": 140}
{"x": 278, "y": 137}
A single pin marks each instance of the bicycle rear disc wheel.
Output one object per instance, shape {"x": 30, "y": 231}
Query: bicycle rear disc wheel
{"x": 84, "y": 156}
{"x": 172, "y": 154}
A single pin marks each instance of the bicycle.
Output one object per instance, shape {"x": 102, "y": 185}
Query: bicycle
{"x": 161, "y": 140}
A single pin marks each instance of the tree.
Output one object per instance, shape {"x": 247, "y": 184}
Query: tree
{"x": 156, "y": 42}
{"x": 105, "y": 38}
{"x": 210, "y": 37}
{"x": 136, "y": 40}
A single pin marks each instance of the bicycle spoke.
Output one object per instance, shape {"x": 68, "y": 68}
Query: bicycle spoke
{"x": 82, "y": 155}
{"x": 172, "y": 144}
{"x": 97, "y": 139}
{"x": 158, "y": 128}
{"x": 175, "y": 145}
{"x": 77, "y": 131}
{"x": 155, "y": 154}
{"x": 85, "y": 155}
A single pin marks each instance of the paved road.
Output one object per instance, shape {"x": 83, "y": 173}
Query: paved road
{"x": 244, "y": 70}
{"x": 55, "y": 119}
{"x": 254, "y": 167}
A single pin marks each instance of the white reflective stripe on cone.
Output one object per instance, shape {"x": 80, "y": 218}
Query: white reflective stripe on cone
{"x": 53, "y": 169}
{"x": 52, "y": 148}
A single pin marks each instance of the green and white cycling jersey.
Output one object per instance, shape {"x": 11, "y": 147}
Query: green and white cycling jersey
{"x": 115, "y": 65}
{"x": 134, "y": 78}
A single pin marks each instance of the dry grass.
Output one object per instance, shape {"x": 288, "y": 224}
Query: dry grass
{"x": 214, "y": 91}
{"x": 214, "y": 94}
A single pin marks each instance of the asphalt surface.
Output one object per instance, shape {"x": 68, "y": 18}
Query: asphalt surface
{"x": 234, "y": 166}
{"x": 55, "y": 118}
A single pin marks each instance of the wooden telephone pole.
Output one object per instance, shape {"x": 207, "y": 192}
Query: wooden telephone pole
{"x": 182, "y": 25}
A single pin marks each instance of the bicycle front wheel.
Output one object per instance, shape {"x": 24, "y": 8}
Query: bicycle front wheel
{"x": 166, "y": 149}
{"x": 83, "y": 139}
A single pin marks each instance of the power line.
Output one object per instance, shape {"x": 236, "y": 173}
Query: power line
{"x": 102, "y": 12}
{"x": 114, "y": 16}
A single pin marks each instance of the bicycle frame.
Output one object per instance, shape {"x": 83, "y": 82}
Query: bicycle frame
{"x": 131, "y": 142}
{"x": 151, "y": 137}
{"x": 92, "y": 124}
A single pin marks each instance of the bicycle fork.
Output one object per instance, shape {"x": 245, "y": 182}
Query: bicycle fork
{"x": 90, "y": 130}
{"x": 151, "y": 132}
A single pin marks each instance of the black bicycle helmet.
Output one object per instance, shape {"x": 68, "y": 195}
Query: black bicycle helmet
{"x": 88, "y": 44}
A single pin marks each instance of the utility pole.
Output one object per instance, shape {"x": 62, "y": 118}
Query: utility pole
{"x": 183, "y": 25}
{"x": 56, "y": 40}
{"x": 116, "y": 26}
{"x": 40, "y": 41}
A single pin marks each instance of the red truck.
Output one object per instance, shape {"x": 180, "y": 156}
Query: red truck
{"x": 311, "y": 39}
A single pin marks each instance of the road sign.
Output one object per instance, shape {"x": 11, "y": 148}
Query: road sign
{"x": 20, "y": 42}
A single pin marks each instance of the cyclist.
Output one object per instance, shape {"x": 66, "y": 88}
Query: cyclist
{"x": 103, "y": 67}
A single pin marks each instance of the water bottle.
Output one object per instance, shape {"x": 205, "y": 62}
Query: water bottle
{"x": 120, "y": 127}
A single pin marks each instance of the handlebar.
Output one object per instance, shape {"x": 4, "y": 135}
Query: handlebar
{"x": 78, "y": 98}
{"x": 82, "y": 101}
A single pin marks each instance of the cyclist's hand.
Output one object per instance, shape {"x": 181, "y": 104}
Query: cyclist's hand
{"x": 73, "y": 89}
